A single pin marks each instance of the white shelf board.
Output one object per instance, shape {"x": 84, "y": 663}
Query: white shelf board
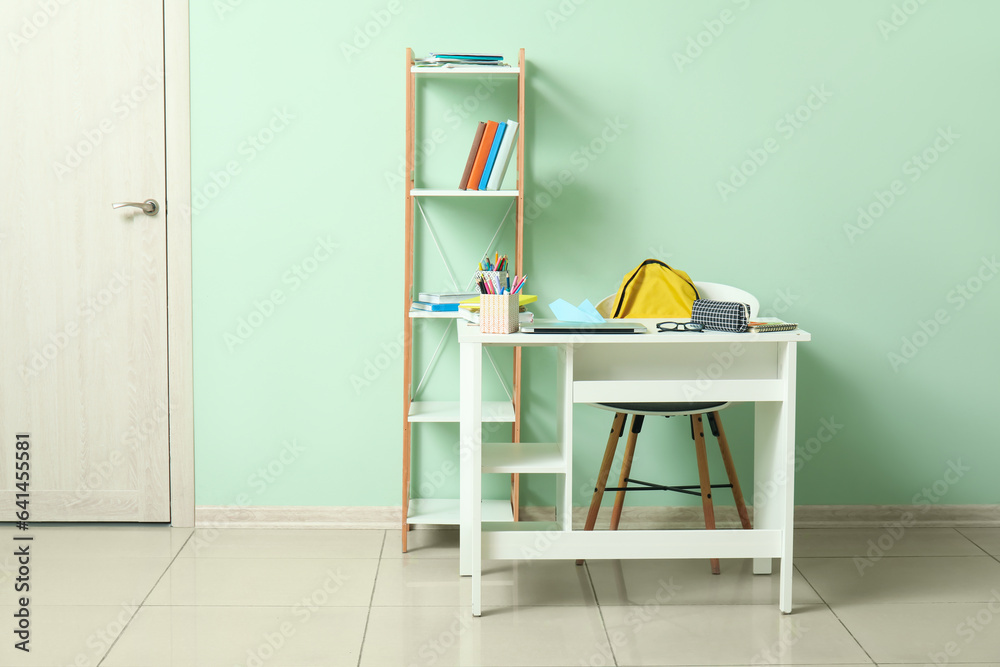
{"x": 472, "y": 70}
{"x": 444, "y": 511}
{"x": 526, "y": 457}
{"x": 447, "y": 411}
{"x": 430, "y": 192}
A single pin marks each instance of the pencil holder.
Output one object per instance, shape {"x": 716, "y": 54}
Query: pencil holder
{"x": 498, "y": 313}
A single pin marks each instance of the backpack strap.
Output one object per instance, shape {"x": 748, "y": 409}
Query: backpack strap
{"x": 621, "y": 297}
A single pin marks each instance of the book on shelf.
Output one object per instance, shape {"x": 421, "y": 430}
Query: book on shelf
{"x": 445, "y": 297}
{"x": 482, "y": 154}
{"x": 491, "y": 158}
{"x": 435, "y": 307}
{"x": 503, "y": 156}
{"x": 478, "y": 139}
{"x": 450, "y": 60}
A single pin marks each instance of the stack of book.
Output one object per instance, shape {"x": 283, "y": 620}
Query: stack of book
{"x": 452, "y": 60}
{"x": 441, "y": 302}
{"x": 488, "y": 158}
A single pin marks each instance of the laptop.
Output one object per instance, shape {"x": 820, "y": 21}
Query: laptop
{"x": 557, "y": 327}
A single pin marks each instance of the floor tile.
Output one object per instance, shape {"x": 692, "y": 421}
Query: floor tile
{"x": 729, "y": 635}
{"x": 215, "y": 636}
{"x": 435, "y": 582}
{"x": 902, "y": 580}
{"x": 94, "y": 580}
{"x": 283, "y": 543}
{"x": 422, "y": 543}
{"x": 888, "y": 541}
{"x": 444, "y": 636}
{"x": 987, "y": 538}
{"x": 641, "y": 582}
{"x": 124, "y": 541}
{"x": 64, "y": 635}
{"x": 926, "y": 633}
{"x": 266, "y": 582}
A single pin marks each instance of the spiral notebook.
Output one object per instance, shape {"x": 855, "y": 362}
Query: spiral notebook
{"x": 770, "y": 327}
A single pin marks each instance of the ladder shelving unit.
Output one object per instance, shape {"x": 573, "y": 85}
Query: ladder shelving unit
{"x": 446, "y": 510}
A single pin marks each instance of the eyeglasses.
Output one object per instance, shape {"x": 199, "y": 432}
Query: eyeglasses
{"x": 664, "y": 327}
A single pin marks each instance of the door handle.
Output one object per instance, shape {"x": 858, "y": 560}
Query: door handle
{"x": 149, "y": 207}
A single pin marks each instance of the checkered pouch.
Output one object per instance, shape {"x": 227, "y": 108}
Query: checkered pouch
{"x": 721, "y": 315}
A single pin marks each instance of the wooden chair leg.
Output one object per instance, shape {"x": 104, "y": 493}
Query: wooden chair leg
{"x": 616, "y": 513}
{"x": 602, "y": 476}
{"x": 698, "y": 426}
{"x": 727, "y": 459}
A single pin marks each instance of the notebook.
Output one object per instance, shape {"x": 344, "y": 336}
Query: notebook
{"x": 556, "y": 327}
{"x": 770, "y": 327}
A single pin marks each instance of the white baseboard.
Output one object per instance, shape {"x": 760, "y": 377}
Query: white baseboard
{"x": 806, "y": 516}
{"x": 228, "y": 516}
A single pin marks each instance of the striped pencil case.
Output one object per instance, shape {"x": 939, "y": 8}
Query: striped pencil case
{"x": 728, "y": 316}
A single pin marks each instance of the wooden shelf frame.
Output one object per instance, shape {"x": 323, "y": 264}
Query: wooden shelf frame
{"x": 411, "y": 194}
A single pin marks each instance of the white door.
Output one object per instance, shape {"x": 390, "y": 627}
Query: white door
{"x": 83, "y": 312}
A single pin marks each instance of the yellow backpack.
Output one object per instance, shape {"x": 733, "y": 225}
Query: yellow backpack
{"x": 654, "y": 289}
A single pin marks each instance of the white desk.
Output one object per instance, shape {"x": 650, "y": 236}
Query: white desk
{"x": 643, "y": 367}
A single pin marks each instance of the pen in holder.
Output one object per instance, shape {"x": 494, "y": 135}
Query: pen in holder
{"x": 500, "y": 277}
{"x": 498, "y": 313}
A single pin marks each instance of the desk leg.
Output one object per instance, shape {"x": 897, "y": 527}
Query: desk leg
{"x": 471, "y": 464}
{"x": 774, "y": 472}
{"x": 564, "y": 436}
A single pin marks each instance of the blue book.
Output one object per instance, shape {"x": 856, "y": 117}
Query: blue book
{"x": 492, "y": 157}
{"x": 435, "y": 307}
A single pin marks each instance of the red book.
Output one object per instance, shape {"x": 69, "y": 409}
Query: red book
{"x": 473, "y": 152}
{"x": 483, "y": 154}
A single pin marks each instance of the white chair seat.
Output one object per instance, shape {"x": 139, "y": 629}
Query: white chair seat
{"x": 662, "y": 409}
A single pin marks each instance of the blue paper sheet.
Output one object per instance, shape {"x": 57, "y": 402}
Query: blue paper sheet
{"x": 566, "y": 312}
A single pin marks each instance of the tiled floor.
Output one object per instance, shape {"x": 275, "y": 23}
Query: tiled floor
{"x": 137, "y": 596}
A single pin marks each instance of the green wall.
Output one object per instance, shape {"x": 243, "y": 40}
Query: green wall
{"x": 826, "y": 108}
